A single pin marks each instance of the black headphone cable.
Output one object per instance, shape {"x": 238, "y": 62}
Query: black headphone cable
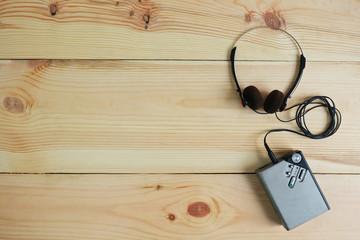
{"x": 316, "y": 101}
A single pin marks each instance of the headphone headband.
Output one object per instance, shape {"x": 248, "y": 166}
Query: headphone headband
{"x": 298, "y": 77}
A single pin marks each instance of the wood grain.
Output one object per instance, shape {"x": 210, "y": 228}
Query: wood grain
{"x": 176, "y": 29}
{"x": 164, "y": 116}
{"x": 139, "y": 116}
{"x": 54, "y": 207}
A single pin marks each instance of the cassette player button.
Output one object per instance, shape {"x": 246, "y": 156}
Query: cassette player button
{"x": 289, "y": 169}
{"x": 295, "y": 171}
{"x": 302, "y": 174}
{"x": 292, "y": 182}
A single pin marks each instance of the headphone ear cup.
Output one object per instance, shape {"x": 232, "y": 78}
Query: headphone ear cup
{"x": 273, "y": 101}
{"x": 253, "y": 97}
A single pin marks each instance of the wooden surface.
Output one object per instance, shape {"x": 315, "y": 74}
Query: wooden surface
{"x": 173, "y": 29}
{"x": 164, "y": 116}
{"x": 144, "y": 86}
{"x": 163, "y": 207}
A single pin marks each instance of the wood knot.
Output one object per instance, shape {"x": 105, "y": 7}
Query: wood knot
{"x": 146, "y": 18}
{"x": 117, "y": 3}
{"x": 272, "y": 20}
{"x": 53, "y": 9}
{"x": 171, "y": 217}
{"x": 198, "y": 209}
{"x": 38, "y": 63}
{"x": 158, "y": 187}
{"x": 13, "y": 104}
{"x": 248, "y": 17}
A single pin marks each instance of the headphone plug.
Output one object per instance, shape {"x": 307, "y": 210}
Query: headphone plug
{"x": 270, "y": 153}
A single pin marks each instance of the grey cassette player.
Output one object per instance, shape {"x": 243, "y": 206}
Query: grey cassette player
{"x": 293, "y": 190}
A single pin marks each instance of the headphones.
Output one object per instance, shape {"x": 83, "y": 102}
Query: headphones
{"x": 276, "y": 100}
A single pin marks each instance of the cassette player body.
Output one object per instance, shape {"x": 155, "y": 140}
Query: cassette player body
{"x": 293, "y": 190}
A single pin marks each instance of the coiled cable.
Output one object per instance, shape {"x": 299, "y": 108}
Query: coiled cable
{"x": 302, "y": 110}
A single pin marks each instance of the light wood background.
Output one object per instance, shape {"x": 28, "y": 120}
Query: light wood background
{"x": 97, "y": 94}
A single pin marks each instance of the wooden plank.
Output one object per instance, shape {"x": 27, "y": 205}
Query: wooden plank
{"x": 164, "y": 116}
{"x": 156, "y": 206}
{"x": 175, "y": 29}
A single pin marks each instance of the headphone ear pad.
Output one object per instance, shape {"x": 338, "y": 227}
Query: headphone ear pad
{"x": 273, "y": 101}
{"x": 253, "y": 97}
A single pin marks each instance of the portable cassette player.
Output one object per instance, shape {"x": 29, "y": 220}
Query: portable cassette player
{"x": 293, "y": 190}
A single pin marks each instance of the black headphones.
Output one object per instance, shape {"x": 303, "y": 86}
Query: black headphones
{"x": 276, "y": 100}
